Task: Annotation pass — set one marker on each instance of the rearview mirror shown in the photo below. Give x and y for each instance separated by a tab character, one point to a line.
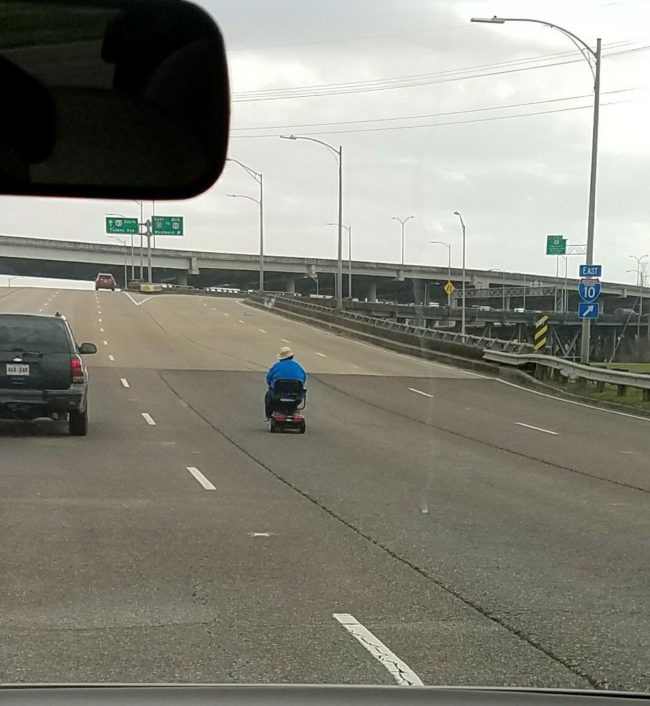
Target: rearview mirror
87	348
111	99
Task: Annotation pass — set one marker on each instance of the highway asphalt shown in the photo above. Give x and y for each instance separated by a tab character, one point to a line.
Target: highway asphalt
482	533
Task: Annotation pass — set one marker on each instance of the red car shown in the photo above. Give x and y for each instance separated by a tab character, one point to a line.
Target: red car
105	281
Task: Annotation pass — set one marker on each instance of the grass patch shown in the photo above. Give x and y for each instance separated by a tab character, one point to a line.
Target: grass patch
633	398
34	25
632	367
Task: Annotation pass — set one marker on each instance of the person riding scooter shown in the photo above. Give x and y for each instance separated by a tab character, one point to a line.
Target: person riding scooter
285	368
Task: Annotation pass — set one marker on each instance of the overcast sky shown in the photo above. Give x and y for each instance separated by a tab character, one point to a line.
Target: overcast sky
514	179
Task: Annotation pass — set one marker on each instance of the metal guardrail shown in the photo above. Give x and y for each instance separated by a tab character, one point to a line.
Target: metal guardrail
574	371
482	342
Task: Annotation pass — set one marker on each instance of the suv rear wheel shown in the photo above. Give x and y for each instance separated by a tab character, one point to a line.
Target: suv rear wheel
78	423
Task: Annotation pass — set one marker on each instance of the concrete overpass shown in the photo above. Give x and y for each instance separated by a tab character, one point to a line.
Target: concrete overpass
370	280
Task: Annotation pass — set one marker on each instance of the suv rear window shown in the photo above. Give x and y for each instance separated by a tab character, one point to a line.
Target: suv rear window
33	334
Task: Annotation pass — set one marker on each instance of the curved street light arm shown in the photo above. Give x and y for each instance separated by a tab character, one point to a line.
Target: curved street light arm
313	139
251	172
243	196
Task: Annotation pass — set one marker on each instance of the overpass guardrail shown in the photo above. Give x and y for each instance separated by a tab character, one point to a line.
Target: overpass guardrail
561	369
450	341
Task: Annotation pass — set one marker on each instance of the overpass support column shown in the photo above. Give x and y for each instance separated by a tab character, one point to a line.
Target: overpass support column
372	292
291	285
181	279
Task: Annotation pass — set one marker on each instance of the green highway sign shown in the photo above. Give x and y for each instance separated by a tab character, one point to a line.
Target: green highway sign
167	225
124	226
555	245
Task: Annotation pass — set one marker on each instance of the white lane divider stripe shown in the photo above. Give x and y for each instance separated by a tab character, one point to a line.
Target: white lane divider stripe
419	392
261	330
322	355
241	321
284	340
530	426
105	343
100	321
101	330
401	672
200	477
111	357
149	419
125	382
226	314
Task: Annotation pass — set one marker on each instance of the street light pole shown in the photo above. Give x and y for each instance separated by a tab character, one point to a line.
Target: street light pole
122	242
121	215
349	230
462	224
402	222
141	239
588	54
339	156
640	276
448	246
257	176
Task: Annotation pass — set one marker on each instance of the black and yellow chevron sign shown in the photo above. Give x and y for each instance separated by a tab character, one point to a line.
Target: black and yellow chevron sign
541	332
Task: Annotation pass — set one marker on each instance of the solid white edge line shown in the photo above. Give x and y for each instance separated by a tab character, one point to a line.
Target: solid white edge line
149	419
561	399
530	426
419	392
401	672
125	382
200	477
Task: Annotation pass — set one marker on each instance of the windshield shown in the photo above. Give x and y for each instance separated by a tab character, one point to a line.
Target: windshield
29	333
375	407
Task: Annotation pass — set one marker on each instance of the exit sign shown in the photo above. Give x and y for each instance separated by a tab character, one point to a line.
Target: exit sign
121	226
167	225
555	245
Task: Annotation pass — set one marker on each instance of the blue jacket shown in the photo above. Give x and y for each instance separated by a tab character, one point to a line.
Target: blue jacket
286	369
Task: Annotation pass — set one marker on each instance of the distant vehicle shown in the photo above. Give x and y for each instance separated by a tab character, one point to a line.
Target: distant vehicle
484	308
41	370
624	312
105	280
519	310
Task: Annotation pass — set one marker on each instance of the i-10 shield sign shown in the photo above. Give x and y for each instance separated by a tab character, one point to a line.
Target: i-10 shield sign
589	289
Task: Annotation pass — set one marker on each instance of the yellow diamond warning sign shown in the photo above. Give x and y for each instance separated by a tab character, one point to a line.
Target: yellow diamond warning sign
449	288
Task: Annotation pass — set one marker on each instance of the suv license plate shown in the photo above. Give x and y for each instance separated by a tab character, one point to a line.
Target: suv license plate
17	369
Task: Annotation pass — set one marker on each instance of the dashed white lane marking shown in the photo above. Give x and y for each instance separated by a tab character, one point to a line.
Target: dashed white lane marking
125	382
111	357
259	534
241	321
40	309
149	419
261	330
100	321
226	314
322	355
530	426
401	672
101	330
419	392
200	477
284	340
105	343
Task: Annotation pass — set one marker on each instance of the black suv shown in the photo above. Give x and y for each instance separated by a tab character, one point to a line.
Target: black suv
41	371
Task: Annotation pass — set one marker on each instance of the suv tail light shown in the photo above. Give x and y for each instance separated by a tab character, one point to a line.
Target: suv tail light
77	369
